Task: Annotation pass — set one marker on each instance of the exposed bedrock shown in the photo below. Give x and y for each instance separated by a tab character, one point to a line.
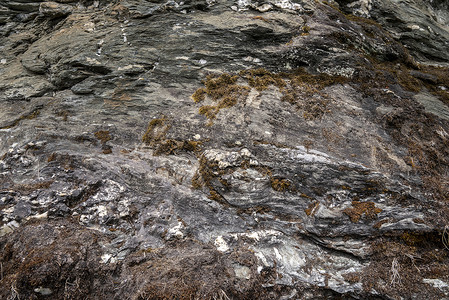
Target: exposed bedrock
224	150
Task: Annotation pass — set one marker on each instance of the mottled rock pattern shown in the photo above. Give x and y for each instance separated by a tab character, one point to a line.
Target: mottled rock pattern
223	150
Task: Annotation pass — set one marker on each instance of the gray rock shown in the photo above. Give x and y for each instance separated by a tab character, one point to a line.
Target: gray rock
54	10
433	105
22	209
420	25
223	150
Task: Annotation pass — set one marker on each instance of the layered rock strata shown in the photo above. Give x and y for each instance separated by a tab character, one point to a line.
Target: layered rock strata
224	150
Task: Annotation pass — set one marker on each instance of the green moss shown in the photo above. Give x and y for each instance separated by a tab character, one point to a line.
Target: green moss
191	145
304	90
209	111
27	188
442	80
206	173
429	157
227	102
412	239
303	78
213	195
167	147
361	20
254	209
261	79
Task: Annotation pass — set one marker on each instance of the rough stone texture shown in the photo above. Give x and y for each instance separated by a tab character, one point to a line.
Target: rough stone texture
422	26
223	150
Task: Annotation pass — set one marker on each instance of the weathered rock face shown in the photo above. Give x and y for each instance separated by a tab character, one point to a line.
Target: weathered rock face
224	150
422	26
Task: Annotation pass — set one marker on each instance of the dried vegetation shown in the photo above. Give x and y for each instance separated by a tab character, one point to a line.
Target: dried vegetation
65	261
401	262
155	136
300	88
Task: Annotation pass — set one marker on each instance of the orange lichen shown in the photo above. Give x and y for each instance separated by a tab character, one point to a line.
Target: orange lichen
280	185
260	18
311	210
380	223
359	209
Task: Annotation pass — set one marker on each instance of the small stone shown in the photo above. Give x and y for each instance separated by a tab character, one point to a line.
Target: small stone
265	7
43	291
245	152
221	244
242	272
22	209
8	228
108	258
54	10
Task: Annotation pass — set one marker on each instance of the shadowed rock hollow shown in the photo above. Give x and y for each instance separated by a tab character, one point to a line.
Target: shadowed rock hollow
224	149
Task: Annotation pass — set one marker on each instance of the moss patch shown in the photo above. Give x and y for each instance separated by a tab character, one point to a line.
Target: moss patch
224	92
31	187
156	130
299	88
155	136
205	175
170	146
103	136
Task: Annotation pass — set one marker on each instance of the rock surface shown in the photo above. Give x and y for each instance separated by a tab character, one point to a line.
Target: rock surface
224	149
